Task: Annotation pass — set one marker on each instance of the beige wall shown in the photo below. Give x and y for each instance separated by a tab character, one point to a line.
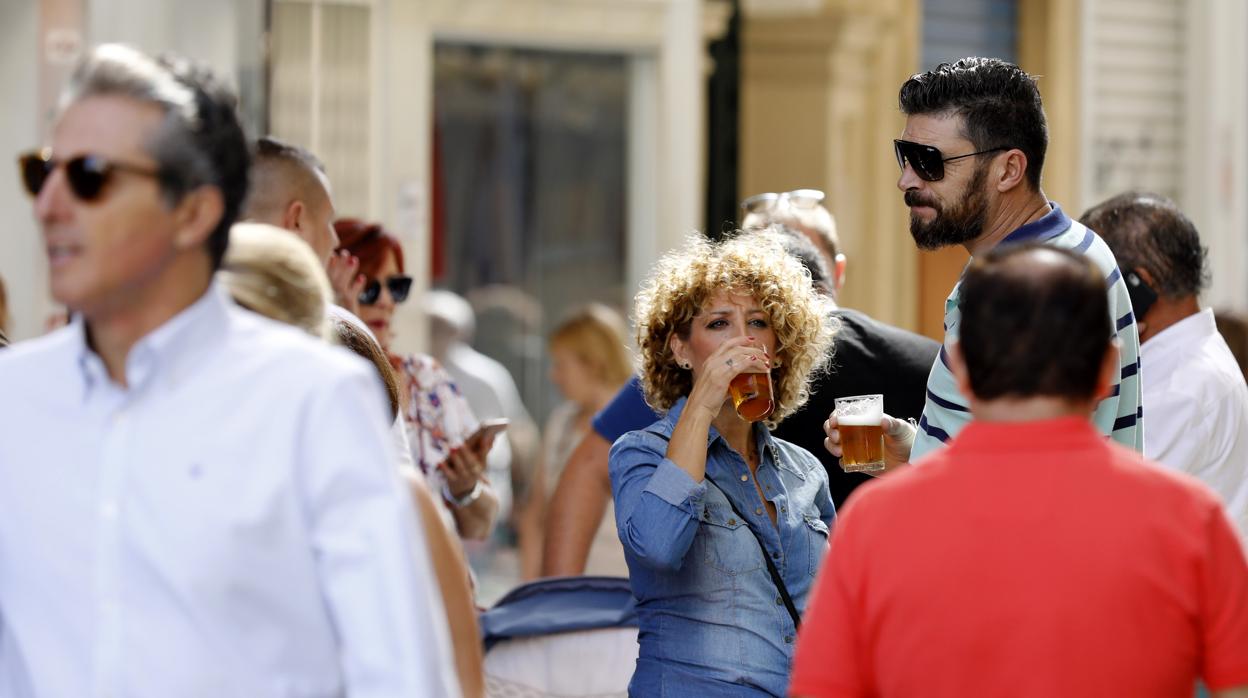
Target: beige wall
819	109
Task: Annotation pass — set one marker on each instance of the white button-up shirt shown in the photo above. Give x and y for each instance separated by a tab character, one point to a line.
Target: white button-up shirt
1196	403
230	524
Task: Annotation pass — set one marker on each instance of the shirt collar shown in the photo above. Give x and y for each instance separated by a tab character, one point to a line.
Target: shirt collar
174	348
1045	435
762	435
1185	333
1049	226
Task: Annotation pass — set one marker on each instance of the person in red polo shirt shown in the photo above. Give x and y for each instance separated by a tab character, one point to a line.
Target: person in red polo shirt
1032	557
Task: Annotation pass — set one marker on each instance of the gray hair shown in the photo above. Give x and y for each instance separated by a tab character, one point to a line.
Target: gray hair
201	140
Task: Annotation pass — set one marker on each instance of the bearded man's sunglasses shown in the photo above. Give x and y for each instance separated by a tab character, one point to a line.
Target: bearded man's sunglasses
398	285
86	174
928	162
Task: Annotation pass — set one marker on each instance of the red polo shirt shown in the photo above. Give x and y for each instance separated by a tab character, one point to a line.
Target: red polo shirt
1028	559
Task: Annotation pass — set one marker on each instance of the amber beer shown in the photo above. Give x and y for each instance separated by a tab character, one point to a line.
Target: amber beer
751	396
862	437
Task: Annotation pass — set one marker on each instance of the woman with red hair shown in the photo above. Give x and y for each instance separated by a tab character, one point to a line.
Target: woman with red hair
438	418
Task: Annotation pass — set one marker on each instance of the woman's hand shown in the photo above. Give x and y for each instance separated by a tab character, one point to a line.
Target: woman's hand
465	465
735	356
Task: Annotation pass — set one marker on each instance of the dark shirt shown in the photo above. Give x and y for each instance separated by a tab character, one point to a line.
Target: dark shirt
868	357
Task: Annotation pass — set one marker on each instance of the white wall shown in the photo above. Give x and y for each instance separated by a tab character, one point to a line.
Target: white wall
21	255
224	34
1217	157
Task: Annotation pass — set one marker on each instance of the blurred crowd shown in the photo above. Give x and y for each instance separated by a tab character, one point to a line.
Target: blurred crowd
221	476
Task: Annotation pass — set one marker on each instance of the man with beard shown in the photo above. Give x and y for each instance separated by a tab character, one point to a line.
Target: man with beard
971	156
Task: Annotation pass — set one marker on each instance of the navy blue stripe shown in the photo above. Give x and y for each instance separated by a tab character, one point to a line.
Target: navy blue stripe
1125	320
944	358
1085	243
945	403
1116	390
1124	422
1130	370
1113	277
932	431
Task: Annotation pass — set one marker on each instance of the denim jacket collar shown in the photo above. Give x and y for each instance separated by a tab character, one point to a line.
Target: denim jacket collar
763	440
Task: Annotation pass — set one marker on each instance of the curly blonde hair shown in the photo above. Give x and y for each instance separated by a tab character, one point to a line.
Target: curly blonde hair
683	281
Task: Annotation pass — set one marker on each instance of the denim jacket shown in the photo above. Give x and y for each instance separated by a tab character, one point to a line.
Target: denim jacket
711	620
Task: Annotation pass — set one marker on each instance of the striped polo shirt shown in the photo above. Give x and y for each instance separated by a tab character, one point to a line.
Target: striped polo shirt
1120	416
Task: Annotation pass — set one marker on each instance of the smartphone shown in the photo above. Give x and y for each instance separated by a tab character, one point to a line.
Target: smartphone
487	429
1142	295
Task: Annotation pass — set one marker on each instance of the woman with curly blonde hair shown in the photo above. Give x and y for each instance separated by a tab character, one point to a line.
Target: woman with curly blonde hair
723	525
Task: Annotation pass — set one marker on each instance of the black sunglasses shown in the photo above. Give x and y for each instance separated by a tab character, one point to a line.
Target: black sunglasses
928	162
86	174
399	286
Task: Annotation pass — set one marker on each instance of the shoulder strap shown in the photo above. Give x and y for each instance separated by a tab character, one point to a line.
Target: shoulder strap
771	566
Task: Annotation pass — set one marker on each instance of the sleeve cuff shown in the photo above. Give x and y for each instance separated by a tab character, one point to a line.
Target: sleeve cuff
674	486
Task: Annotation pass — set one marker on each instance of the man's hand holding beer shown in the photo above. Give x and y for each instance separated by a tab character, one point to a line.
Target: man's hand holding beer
898	438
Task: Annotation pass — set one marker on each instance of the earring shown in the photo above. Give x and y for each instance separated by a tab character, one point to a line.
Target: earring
686	365
775	363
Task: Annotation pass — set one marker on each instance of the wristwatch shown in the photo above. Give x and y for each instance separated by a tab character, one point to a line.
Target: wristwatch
460	502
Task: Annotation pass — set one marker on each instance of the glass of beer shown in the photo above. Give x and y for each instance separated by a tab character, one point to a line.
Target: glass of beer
862	437
751	396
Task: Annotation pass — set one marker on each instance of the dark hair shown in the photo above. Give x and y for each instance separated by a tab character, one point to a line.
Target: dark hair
803	250
271	148
1035	321
1148	231
368	241
201	141
1000	105
357	340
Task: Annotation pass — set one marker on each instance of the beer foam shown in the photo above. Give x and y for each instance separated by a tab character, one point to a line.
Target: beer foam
871	418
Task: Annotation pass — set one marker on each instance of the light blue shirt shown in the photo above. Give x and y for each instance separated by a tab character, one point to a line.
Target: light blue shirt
230	524
1119	416
711	622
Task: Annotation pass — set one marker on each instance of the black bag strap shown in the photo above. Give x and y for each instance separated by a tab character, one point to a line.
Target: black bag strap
771	566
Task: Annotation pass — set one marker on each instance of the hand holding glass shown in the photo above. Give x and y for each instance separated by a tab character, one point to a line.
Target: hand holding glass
862	438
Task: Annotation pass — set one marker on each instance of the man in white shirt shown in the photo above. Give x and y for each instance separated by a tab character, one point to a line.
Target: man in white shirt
194	501
1193	389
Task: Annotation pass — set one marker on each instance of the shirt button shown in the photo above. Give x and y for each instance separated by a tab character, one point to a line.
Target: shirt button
784	509
759	511
788	639
779	601
745	478
775	556
732	522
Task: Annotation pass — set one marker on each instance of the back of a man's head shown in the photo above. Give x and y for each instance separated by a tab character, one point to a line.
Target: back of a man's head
200	143
1148	231
280	172
999	102
1034	323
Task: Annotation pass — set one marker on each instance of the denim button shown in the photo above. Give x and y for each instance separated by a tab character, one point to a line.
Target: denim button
745	478
779	601
775	556
788	639
732	522
759	511
784	509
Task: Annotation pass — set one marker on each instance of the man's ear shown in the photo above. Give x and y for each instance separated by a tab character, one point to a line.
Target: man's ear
838	273
293	215
957	366
197	215
1011	170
